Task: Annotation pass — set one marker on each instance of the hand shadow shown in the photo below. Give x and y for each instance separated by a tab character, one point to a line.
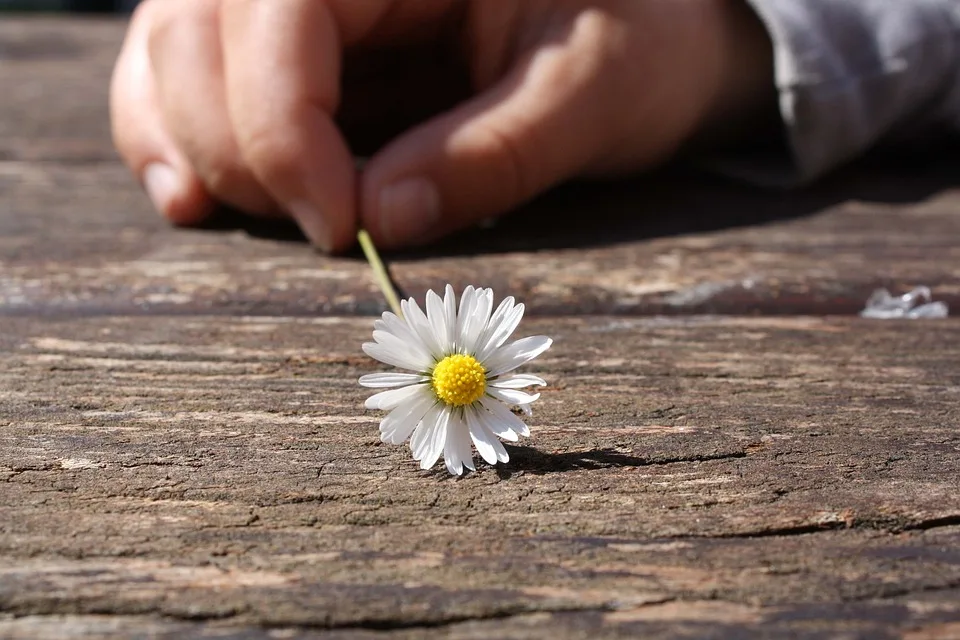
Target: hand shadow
674	201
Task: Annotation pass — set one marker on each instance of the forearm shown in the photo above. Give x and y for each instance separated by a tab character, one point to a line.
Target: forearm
848	75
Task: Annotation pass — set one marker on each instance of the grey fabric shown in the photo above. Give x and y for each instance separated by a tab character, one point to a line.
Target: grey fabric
854	73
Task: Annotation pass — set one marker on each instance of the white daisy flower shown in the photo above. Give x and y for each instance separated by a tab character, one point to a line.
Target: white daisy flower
457	390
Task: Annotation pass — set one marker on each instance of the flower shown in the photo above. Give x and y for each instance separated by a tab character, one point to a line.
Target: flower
456	390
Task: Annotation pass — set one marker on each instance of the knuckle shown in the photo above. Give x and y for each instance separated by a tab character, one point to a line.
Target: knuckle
144	12
218	164
161	26
270	155
122	131
169	23
220	175
125	143
514	166
227	179
233	184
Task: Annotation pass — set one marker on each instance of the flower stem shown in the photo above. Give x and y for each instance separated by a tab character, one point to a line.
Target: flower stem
379	271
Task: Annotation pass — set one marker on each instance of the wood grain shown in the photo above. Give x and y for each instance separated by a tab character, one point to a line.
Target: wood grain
724	449
728	473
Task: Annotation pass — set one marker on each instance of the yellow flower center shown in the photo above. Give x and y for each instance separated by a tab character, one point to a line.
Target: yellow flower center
459	380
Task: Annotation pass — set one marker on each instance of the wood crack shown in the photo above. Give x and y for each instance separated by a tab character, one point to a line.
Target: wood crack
934	523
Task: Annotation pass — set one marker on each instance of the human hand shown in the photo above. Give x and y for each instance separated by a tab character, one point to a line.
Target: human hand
247	102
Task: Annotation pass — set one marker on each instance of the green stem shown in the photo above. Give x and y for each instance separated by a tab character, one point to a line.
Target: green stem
379	271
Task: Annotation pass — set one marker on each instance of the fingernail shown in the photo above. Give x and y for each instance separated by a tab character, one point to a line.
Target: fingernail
162	184
409	209
312	223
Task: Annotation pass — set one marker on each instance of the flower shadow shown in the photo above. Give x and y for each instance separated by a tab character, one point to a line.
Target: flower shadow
532	460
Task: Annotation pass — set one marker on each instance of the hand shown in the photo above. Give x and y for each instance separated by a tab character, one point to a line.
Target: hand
486	102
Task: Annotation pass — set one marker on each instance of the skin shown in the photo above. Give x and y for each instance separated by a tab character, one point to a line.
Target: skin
465	109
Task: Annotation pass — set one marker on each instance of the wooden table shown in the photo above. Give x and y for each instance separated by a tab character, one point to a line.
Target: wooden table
725	449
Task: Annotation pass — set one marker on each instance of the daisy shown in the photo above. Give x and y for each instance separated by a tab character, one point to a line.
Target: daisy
456	390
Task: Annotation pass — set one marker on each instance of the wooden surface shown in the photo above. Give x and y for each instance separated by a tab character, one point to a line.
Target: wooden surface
725	450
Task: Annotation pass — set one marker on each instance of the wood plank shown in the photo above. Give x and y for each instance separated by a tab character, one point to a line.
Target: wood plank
82	240
799	473
55	73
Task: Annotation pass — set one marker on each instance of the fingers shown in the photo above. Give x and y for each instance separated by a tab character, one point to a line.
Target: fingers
537	126
139	131
238	104
186	59
282	73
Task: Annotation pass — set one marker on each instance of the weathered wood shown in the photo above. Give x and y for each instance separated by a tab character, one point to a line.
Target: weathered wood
82	240
682	474
54	76
184	452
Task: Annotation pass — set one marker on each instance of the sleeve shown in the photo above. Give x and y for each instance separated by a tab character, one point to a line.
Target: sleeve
853	74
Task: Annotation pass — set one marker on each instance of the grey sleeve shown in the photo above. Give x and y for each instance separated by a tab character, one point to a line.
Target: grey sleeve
852	74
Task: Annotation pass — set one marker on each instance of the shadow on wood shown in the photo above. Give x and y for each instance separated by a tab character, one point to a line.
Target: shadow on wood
532	460
672	202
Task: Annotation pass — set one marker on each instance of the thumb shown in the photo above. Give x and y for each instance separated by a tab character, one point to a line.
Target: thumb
537	126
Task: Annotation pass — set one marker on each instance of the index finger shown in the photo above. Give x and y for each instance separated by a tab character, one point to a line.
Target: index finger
282	63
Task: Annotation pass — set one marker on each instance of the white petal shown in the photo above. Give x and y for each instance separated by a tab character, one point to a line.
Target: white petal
466	451
513	396
496	319
495	426
379	322
387	320
401	358
405	332
420	440
423	434
498	333
456	451
451	460
517	381
450	313
386	356
515	354
391	399
472	326
502	421
399	424
436	314
466	300
439	439
489	448
387	380
412	351
463	313
418	323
